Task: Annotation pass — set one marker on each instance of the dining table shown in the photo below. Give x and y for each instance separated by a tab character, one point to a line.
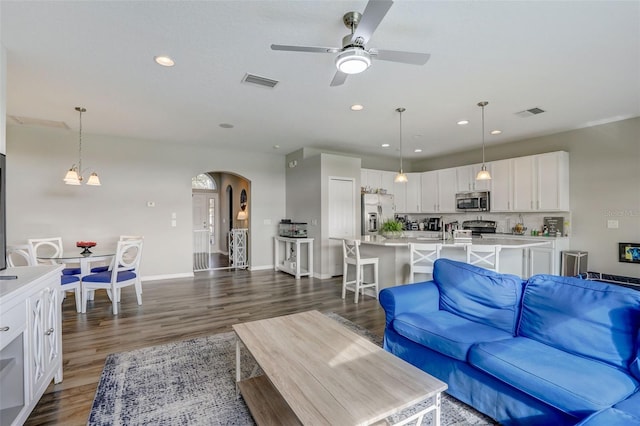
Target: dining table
83	259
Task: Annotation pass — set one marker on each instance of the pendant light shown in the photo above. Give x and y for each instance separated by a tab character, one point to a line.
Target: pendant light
483	174
400	177
74	176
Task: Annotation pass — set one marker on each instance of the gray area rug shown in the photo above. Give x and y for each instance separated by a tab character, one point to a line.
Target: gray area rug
192	382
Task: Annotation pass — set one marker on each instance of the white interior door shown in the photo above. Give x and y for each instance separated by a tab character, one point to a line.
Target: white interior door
342	218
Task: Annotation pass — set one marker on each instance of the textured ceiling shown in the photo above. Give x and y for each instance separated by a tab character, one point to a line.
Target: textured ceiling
579	61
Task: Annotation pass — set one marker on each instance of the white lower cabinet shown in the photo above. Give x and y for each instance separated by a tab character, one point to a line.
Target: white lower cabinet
541	260
30	339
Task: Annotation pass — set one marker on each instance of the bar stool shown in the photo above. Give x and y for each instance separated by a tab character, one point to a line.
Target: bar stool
351	252
485	256
422	258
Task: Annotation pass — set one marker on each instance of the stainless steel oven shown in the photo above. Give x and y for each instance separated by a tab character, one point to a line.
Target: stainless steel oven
472	201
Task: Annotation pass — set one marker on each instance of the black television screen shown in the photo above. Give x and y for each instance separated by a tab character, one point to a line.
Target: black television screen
3	213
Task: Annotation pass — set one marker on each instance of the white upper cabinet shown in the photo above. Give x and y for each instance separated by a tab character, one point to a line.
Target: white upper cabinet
371	179
414	193
439	189
541	182
553	181
447	189
407	196
502	186
387	182
429	199
466	178
532	183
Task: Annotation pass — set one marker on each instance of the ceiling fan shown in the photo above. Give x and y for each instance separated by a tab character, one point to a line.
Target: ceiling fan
354	57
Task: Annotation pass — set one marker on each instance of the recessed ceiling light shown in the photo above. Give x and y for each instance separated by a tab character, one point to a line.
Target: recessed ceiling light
385	145
496	132
226	125
417	150
276	146
163	60
463	122
357	107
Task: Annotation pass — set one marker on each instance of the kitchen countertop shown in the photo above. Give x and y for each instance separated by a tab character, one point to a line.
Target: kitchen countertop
515	243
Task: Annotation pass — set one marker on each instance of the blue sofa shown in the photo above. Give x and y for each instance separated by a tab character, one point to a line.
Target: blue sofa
547	351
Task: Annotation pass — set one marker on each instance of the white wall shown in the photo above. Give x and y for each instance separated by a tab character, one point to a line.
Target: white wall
132	172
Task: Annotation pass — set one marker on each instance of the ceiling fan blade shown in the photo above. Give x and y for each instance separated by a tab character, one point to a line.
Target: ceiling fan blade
373	14
313	49
414	58
338	79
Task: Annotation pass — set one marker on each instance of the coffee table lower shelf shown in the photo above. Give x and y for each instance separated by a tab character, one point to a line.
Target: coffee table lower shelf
265	403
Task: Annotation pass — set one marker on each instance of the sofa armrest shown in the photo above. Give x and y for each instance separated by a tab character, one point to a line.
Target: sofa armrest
419	297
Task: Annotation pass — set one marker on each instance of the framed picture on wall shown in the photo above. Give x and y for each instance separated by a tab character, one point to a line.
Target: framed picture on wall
629	252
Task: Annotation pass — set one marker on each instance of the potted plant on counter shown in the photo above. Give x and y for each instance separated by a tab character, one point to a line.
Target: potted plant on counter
391	228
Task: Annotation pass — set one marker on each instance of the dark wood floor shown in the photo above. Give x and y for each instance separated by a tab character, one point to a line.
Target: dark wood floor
176	310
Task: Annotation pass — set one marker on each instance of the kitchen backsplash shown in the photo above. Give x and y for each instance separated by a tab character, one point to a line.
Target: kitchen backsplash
504	221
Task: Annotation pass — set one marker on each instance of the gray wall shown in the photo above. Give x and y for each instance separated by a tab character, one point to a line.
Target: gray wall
132	171
307	198
604	169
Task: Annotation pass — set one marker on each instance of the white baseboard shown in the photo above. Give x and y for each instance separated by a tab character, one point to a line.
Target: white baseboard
166	277
260	268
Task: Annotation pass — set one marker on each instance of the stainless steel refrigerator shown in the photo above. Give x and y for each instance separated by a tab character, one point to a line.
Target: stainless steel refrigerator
376	208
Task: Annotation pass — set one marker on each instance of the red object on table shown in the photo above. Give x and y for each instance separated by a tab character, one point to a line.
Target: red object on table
86	244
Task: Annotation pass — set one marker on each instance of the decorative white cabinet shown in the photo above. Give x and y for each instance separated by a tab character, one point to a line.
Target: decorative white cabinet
291	259
30	339
238	248
541	182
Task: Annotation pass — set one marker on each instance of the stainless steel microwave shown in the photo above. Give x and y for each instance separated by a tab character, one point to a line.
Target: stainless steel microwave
472	201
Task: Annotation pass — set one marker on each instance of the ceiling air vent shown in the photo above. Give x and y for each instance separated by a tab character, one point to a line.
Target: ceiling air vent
529	112
260	81
28	121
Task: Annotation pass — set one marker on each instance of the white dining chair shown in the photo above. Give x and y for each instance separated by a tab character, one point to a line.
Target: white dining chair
103	268
123	273
422	258
485	256
22	255
351	254
50	247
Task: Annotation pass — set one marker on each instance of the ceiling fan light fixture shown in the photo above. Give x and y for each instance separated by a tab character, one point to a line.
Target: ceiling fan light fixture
353	61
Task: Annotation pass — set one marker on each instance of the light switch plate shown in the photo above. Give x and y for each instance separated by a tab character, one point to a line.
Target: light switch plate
612	224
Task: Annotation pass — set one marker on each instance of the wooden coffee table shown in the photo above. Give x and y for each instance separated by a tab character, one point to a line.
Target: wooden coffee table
318	372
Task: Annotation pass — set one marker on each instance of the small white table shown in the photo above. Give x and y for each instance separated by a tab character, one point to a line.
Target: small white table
291	259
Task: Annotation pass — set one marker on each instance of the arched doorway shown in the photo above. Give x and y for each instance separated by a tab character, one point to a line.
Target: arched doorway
216	207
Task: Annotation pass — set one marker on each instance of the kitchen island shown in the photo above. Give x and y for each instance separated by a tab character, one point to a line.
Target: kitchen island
394	257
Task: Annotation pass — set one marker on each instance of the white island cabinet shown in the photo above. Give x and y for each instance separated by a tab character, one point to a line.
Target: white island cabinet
30	339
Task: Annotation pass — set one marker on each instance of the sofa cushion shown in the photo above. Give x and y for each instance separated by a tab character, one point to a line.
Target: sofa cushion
477	294
631	405
571	383
445	332
610	417
587	318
